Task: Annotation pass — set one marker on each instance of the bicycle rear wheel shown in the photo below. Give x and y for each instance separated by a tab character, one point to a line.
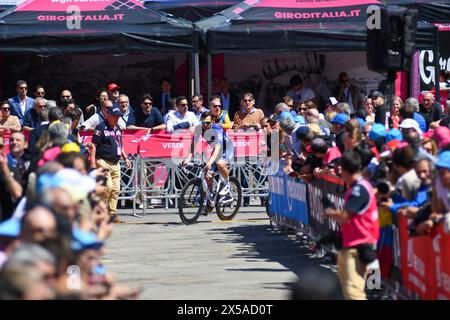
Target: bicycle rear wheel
227	208
191	201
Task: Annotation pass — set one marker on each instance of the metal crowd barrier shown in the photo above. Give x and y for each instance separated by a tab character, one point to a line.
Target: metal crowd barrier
162	179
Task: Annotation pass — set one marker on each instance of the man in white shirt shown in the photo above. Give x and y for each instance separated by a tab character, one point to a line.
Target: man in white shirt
100	117
299	92
182	118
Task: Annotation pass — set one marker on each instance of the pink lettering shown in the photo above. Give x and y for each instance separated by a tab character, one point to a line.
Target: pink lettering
289	15
51	18
343	14
88	18
120	15
61	18
105	17
325	15
278	15
298	15
41	18
307	15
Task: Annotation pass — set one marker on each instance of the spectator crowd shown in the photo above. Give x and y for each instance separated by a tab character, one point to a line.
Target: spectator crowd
58	197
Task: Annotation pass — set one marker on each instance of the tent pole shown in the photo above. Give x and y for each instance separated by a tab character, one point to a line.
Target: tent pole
196	74
190	59
209	67
437	68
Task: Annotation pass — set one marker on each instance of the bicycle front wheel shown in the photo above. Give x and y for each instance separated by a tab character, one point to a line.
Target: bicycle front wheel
227	206
191	201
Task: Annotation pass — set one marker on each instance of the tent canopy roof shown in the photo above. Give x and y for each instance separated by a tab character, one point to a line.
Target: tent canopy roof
256	25
192	10
106	26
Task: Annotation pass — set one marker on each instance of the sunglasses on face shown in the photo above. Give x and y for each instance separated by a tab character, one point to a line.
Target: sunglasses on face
183	104
23	88
65	97
217	106
302	109
147	103
206	123
42	107
6	109
40	93
247	100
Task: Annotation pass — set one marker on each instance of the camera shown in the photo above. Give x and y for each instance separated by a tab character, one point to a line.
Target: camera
326	203
380	179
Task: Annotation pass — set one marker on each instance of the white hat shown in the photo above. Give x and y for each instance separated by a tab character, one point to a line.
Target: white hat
77	184
411	124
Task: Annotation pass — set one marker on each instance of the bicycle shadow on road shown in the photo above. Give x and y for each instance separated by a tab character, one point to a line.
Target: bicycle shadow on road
260	243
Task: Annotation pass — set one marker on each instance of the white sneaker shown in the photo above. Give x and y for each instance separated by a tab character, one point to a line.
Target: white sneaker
225	190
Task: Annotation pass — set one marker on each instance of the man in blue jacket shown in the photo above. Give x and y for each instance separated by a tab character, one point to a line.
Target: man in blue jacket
21	103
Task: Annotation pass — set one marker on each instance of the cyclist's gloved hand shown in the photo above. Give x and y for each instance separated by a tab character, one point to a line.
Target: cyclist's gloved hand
182	125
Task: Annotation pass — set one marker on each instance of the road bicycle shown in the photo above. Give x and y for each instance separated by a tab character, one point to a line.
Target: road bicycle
197	199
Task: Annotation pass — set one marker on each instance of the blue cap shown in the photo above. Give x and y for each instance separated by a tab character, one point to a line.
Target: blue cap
378	131
443	160
284	115
361	121
340	118
394	134
114	111
83	240
10	228
300	120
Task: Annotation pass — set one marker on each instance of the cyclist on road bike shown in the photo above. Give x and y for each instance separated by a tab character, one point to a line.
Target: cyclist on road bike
223	150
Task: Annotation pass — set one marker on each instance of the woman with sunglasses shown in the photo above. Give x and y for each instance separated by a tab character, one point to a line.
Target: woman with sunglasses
8	122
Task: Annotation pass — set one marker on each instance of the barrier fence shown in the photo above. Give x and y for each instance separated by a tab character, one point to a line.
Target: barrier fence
423	261
155	172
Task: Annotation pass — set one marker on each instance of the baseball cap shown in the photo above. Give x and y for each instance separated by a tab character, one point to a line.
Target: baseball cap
376	94
333	101
440	133
378	131
285	115
340	118
361	121
113	87
71	147
83	240
114	111
443	160
273	117
10	228
299	119
394	134
411	124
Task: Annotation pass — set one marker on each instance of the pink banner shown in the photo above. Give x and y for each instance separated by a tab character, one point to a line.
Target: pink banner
63	5
314	3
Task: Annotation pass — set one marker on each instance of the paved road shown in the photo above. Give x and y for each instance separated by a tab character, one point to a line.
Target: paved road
241	259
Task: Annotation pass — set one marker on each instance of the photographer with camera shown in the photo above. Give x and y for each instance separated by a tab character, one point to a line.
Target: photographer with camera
360	228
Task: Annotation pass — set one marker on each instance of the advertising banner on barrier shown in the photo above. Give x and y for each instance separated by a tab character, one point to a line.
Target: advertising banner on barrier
331	187
441	246
288	197
178	144
418	264
130	139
